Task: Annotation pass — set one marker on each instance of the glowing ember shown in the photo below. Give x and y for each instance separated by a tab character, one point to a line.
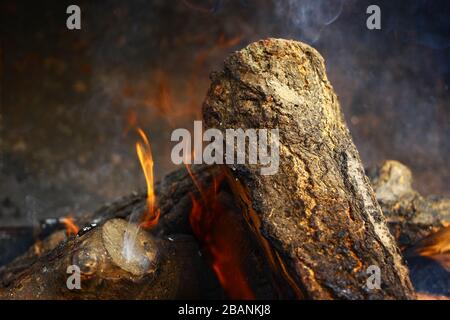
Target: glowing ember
151	215
216	228
71	227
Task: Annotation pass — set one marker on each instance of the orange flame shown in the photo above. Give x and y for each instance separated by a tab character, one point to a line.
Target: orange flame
215	227
144	152
71	227
436	246
436	243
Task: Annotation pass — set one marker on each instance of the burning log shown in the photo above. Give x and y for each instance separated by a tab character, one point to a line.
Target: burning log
174	203
317	218
181	273
112	268
175	194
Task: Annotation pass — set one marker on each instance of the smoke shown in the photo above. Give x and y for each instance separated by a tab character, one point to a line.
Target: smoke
309	17
129	250
392	83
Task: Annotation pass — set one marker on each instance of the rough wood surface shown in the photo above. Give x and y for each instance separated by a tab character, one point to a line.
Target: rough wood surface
182	273
157	269
173	194
317	217
174	198
410	216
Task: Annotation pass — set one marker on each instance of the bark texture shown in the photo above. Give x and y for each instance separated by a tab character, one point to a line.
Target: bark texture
317	218
173	195
25	276
155	268
40	273
410	216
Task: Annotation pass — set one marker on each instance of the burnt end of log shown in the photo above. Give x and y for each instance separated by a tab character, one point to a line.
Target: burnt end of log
317	217
153	269
40	273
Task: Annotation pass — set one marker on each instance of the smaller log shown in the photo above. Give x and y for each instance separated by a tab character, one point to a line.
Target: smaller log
173	196
418	224
410	216
151	268
174	200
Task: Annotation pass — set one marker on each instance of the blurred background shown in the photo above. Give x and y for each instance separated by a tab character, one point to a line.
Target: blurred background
70	100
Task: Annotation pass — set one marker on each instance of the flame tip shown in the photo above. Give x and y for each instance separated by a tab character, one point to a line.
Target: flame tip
143	150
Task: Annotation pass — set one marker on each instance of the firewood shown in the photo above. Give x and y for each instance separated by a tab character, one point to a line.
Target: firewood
410	216
173	194
174	197
154	269
418	224
317	218
41	274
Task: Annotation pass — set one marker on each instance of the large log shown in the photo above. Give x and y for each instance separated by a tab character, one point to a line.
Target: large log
317	218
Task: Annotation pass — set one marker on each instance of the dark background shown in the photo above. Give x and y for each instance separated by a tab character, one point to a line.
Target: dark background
70	99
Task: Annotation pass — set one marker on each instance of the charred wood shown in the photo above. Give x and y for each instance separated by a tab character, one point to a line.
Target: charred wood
153	269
